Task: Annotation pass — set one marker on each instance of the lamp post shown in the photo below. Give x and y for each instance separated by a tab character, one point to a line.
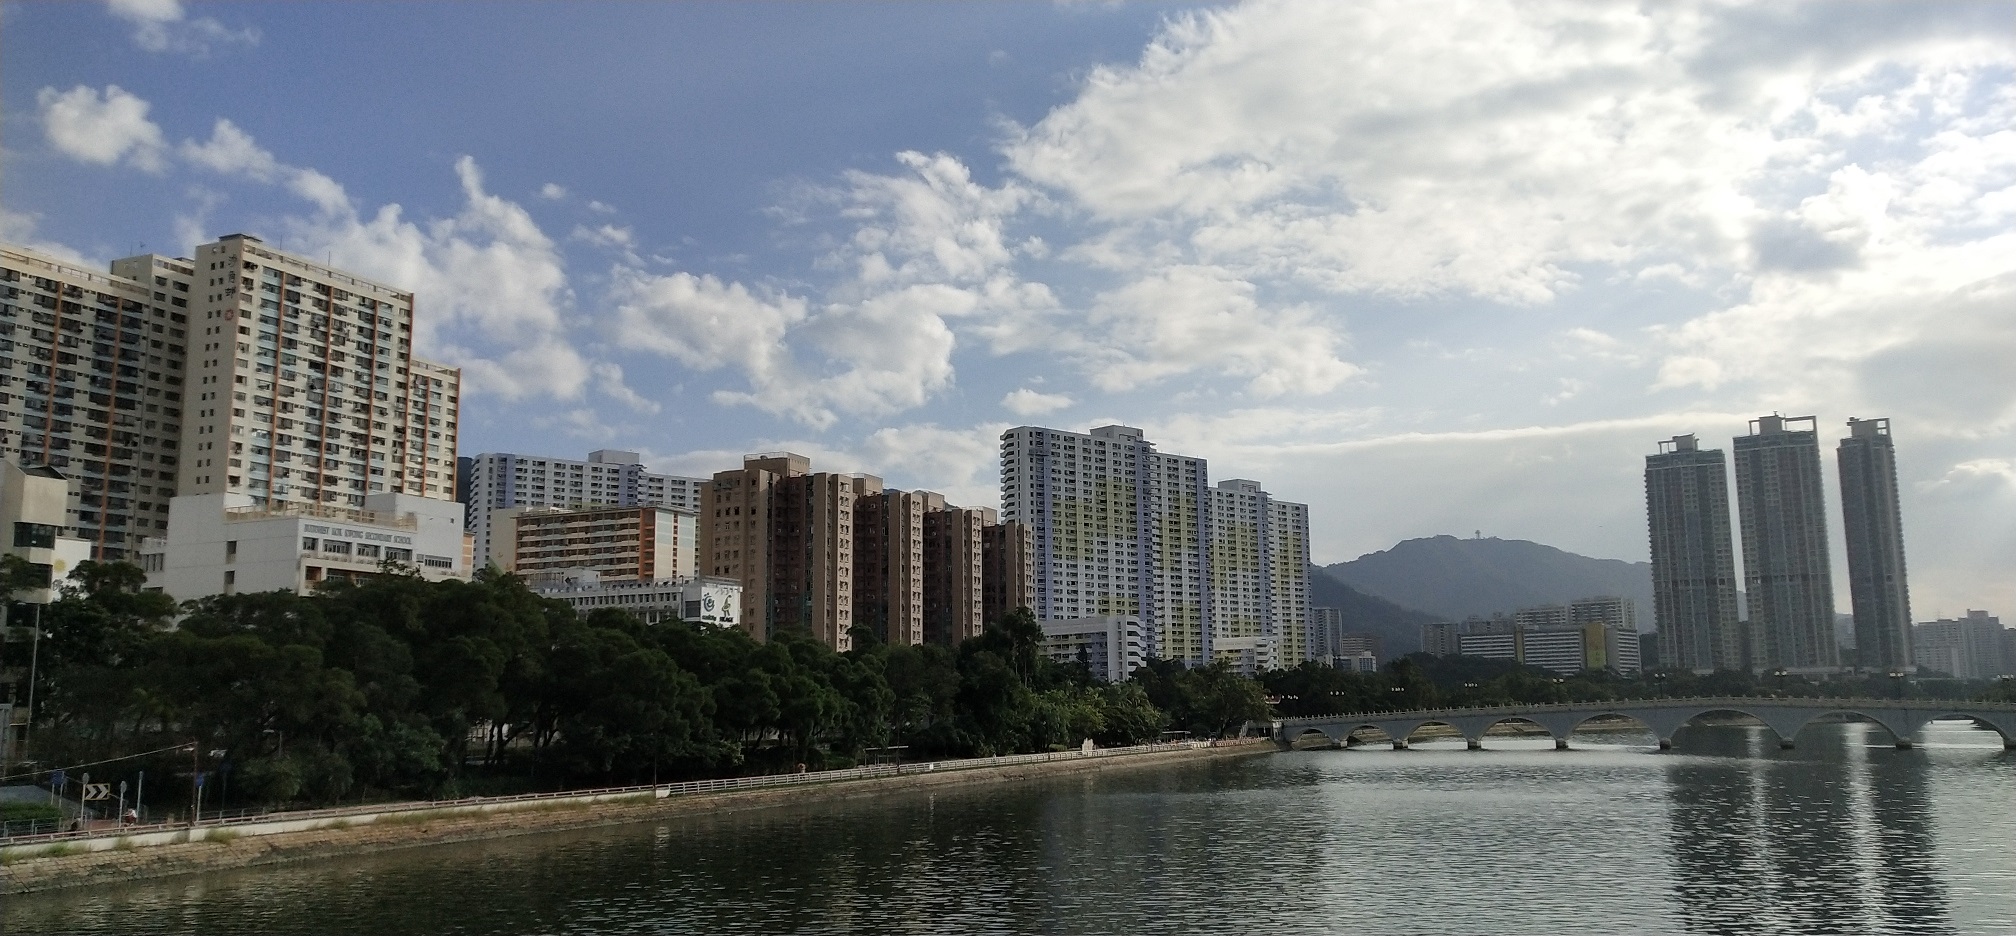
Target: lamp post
1780	673
1897	681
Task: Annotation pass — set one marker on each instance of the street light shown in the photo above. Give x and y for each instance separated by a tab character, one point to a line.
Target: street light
1897	680
1780	673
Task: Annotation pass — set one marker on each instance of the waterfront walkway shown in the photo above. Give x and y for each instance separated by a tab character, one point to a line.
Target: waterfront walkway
1663	717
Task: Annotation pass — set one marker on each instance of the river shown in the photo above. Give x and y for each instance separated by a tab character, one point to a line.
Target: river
1726	834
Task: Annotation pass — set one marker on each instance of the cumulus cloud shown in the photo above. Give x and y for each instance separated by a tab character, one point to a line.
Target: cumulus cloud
164	26
1027	402
1186	319
103	128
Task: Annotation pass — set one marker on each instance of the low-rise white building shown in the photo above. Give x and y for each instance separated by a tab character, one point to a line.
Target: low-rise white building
706	600
1112	646
35	515
223	543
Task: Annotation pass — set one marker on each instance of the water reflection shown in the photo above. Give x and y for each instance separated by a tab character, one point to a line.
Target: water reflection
1728	834
1834	836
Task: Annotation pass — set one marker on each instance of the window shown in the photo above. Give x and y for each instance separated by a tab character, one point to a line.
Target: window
336	547
395	554
34	535
307	544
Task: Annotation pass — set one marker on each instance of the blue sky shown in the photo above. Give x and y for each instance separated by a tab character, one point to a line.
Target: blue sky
1428	270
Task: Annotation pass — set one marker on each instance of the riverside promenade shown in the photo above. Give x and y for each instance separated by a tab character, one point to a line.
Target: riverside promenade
75	859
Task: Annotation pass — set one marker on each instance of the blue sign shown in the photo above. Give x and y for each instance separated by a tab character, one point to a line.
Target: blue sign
199	780
56	780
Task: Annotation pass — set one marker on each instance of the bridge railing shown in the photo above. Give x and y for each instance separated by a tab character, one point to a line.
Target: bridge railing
1734	702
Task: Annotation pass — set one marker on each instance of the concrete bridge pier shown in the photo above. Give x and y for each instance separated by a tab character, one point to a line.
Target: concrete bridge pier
1474	744
1665	744
1785	744
1399	744
1903	744
1560	744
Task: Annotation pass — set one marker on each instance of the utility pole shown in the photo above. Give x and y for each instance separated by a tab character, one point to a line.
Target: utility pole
195	785
34	662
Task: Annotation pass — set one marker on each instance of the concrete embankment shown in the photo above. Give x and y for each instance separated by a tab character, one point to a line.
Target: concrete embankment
182	851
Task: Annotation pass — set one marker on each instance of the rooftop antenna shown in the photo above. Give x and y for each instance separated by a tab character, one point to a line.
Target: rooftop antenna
1476	534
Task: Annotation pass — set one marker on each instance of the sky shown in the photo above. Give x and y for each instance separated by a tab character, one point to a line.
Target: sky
1428	267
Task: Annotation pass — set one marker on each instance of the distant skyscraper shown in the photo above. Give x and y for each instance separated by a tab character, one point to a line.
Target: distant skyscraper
1875	530
1783	516
1693	559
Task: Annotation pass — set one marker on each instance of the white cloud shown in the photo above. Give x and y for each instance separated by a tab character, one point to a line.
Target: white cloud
164	26
552	192
1186	319
607	235
102	128
20	228
609	380
231	151
495	285
1027	402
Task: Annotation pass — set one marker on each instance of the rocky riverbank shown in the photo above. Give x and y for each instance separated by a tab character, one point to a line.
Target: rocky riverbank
63	866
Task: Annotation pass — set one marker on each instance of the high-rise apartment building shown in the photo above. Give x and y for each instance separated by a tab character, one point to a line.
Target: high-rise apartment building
787	534
303	385
1007	570
92	371
1783	516
889	560
1878	591
495	481
1259	580
1972	647
1693	561
955	572
1119	530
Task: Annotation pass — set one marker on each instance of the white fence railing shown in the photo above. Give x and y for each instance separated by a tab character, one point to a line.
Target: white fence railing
308	818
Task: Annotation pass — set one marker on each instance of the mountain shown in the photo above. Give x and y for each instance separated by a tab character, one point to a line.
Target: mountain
1399	628
1454	578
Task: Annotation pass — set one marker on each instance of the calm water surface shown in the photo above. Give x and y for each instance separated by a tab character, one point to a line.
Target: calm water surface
1728	834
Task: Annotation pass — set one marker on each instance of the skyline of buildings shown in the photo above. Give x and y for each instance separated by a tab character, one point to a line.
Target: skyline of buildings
278	389
1786	621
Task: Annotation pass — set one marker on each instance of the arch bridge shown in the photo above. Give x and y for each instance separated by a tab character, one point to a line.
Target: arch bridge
1902	718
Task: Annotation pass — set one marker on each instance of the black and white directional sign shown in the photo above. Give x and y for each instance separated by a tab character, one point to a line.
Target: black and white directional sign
97	791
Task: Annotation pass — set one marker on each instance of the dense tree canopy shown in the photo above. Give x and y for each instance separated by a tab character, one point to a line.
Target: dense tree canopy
400	687
403	687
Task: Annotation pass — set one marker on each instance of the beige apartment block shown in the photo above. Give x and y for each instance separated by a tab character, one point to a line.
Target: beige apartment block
889	559
303	385
787	534
955	563
640	544
91	383
1008	570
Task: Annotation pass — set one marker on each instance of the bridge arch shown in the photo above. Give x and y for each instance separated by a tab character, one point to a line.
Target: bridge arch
1490	723
2005	726
1297	736
1358	731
